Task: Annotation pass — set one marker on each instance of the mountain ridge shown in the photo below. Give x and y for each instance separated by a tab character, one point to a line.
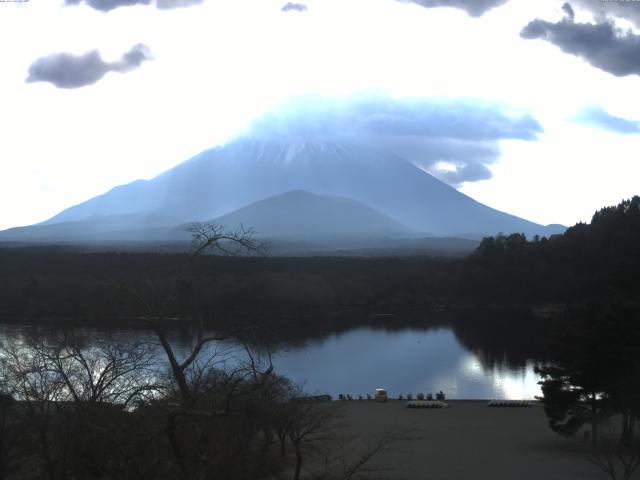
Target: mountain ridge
221	180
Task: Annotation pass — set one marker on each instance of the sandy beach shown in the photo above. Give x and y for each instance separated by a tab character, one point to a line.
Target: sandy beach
469	440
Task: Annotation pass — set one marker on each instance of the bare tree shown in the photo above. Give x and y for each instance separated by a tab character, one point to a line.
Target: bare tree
29	378
213	237
197	376
348	457
72	397
619	459
319	441
309	424
207	236
102	372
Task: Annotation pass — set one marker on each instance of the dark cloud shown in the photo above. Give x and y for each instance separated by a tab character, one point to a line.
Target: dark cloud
65	70
468	172
453	139
466	121
297	7
598	117
452	160
474	8
600	44
568	10
604	10
107	5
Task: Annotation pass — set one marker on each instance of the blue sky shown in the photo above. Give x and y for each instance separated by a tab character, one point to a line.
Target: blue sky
535	102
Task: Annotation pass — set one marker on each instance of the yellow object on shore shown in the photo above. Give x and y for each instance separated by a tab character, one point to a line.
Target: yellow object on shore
381	395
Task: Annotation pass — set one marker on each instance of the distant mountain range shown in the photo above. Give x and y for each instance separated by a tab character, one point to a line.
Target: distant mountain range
293	191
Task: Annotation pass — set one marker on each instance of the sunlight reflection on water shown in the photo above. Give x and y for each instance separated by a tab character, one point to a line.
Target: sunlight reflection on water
404	361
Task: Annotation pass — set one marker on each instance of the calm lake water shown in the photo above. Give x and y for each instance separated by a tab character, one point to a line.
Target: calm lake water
359	360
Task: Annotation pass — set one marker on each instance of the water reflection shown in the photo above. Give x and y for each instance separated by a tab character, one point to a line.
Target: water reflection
403	361
357	361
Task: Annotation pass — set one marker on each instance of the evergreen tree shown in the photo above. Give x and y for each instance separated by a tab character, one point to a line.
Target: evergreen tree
596	371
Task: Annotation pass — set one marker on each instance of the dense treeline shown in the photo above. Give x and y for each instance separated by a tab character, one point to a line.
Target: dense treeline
592	373
598	260
39	284
589	261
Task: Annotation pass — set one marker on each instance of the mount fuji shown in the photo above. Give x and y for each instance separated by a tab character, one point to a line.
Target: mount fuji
358	190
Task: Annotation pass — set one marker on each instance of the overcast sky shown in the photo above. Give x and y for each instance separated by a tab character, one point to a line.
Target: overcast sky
97	93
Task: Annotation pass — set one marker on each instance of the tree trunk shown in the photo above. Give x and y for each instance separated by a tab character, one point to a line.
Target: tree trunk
3	454
283	446
296	476
178	373
594	427
625	428
47	454
2	459
268	440
170	430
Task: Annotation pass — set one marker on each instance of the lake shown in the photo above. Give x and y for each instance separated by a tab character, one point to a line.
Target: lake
357	361
404	361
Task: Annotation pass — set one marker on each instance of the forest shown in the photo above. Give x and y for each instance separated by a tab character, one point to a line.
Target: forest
599	261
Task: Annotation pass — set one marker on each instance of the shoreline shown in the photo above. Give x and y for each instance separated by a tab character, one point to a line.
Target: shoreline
451	402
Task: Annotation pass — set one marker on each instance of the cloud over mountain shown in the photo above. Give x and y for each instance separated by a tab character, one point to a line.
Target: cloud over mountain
66	70
601	44
455	140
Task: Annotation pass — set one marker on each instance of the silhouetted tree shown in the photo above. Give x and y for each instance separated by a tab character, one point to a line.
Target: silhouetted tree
596	372
210	236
